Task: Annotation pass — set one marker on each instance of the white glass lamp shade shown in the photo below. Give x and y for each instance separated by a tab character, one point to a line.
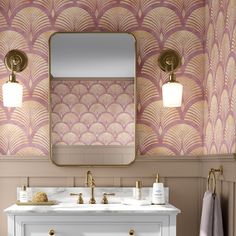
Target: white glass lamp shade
12	93
172	94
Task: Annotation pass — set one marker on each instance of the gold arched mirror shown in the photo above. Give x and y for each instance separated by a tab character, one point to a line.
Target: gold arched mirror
92	91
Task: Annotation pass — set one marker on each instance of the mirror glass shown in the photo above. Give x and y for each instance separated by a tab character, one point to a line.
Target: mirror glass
92	91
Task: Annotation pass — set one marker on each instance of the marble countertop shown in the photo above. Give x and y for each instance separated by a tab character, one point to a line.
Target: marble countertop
60	194
88	209
66	204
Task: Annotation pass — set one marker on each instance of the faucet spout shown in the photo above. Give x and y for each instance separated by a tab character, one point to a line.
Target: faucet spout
90	182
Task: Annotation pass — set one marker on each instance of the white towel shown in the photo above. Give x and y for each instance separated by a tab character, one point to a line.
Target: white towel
211	220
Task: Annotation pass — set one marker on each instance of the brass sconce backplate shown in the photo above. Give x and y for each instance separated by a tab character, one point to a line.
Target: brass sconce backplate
169	60
16	60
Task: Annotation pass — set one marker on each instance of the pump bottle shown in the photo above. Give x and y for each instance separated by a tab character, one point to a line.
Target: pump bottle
23	194
158	194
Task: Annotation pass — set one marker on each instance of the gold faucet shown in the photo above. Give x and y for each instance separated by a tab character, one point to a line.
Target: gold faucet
90	182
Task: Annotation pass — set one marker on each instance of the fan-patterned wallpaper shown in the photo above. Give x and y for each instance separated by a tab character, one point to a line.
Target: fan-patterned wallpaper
93	112
157	24
220	83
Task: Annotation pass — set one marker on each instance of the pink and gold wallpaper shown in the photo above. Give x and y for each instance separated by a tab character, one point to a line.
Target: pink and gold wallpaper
93	112
220	82
156	24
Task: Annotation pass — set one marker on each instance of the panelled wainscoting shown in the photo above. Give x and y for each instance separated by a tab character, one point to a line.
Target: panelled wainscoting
185	176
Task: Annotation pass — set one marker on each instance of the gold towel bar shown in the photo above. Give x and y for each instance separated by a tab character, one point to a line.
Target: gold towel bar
212	173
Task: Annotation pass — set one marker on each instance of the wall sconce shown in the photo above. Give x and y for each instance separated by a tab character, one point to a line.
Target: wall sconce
172	90
12	91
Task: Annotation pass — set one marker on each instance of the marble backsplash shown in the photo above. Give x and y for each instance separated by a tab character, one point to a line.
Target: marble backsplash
62	195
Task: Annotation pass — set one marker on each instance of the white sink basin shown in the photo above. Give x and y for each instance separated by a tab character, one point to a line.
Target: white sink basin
96	207
73	207
78	205
86	206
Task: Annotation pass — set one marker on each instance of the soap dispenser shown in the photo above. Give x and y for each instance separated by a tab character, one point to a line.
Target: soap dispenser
23	194
158	194
138	190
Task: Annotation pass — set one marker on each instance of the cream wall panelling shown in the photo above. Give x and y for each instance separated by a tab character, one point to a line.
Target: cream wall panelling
176	172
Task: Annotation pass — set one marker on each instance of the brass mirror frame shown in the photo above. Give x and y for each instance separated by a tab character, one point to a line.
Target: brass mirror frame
135	104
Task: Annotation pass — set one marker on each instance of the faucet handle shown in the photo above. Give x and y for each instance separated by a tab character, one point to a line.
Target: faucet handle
104	199
80	198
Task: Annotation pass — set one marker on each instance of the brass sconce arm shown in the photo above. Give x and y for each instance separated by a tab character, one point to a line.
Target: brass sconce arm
15	61
172	90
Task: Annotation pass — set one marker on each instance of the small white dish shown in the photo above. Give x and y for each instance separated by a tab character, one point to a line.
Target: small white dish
135	202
